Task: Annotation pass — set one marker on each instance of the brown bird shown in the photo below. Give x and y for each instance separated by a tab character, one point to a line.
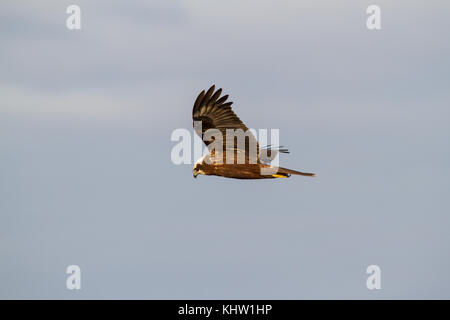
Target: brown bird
233	149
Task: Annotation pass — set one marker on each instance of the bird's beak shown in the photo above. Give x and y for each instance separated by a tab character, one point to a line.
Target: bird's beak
195	174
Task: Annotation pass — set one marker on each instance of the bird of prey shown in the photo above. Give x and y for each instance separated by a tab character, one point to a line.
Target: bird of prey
211	112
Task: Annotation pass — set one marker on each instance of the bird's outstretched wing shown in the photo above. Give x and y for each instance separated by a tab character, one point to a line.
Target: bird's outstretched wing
215	113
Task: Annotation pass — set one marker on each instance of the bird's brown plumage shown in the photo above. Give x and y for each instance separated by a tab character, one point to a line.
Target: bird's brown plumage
212	112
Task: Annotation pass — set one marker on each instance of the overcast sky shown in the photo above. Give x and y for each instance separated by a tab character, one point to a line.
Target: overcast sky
86	176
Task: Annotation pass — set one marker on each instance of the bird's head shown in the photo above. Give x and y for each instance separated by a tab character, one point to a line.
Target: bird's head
197	169
195	172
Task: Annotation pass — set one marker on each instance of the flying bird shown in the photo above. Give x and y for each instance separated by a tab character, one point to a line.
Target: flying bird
212	113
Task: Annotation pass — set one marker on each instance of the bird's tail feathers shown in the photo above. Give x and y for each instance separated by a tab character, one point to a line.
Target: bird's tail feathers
287	172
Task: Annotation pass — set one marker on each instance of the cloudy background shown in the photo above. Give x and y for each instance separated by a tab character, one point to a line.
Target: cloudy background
86	176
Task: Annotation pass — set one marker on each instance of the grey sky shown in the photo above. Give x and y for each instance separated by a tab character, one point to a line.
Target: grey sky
86	176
